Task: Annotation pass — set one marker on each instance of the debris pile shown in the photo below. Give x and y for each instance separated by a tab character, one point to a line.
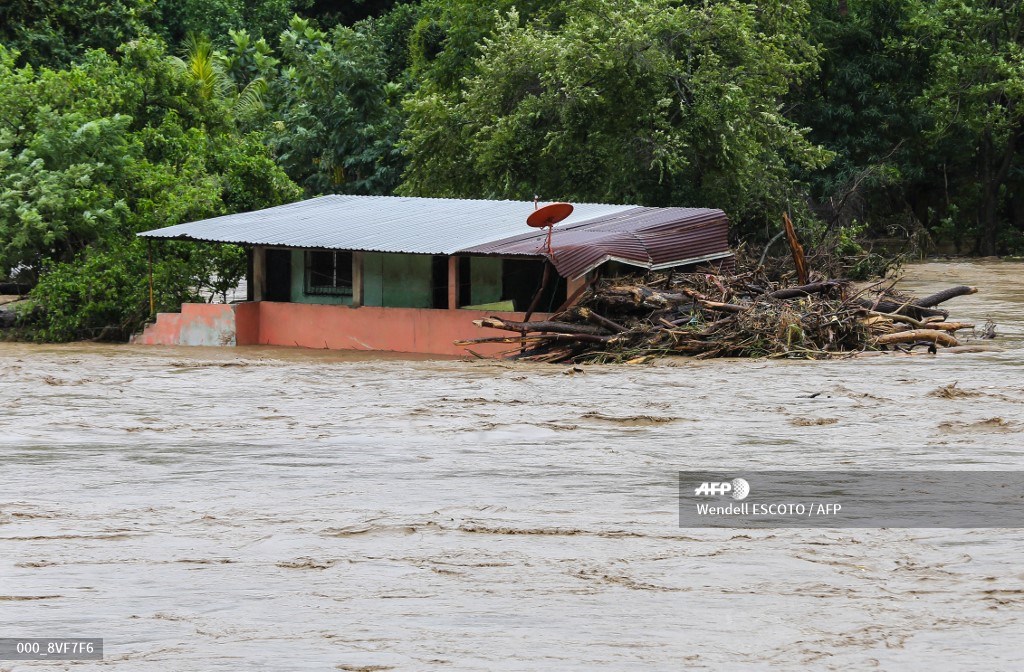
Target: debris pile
632	319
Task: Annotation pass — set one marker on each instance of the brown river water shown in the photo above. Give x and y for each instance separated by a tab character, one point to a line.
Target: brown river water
276	509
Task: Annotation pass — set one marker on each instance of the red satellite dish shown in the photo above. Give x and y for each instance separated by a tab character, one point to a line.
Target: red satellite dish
549	215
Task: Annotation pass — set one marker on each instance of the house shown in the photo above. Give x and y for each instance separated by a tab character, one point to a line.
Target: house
411	274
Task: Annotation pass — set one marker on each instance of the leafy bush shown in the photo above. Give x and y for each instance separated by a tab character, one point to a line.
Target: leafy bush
101	151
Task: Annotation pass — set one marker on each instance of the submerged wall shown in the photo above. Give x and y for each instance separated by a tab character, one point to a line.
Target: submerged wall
196	324
415	330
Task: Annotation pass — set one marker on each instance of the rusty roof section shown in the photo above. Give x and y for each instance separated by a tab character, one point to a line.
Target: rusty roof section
650	238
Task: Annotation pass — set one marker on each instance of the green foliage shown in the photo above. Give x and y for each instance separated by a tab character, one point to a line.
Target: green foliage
337	115
214	19
858	105
654	103
208	71
922	104
975	94
329	12
95	153
104	292
60	160
57	32
246	59
446	40
392	32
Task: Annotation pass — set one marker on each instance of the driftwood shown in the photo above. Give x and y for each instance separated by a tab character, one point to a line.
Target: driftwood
895	317
883	305
799	258
640	296
944	326
722	307
917	335
601	321
548	338
945	295
631	319
541	326
806	290
545	279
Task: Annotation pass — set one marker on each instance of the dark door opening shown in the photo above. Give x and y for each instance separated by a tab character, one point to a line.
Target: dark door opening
521	280
279	276
439	282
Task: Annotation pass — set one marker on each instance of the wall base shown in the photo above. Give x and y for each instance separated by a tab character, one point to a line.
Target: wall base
413	330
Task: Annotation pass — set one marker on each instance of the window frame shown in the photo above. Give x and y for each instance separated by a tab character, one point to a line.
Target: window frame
339	280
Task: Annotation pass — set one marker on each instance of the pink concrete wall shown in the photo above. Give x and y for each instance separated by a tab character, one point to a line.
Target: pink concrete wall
305	325
196	324
247	323
207	324
370	328
164	331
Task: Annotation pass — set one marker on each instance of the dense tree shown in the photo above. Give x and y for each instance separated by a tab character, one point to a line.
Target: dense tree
861	107
656	103
975	94
337	114
919	101
331	13
93	154
209	73
213	19
56	32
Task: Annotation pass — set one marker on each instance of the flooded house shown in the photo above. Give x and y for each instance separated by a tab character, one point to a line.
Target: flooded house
410	274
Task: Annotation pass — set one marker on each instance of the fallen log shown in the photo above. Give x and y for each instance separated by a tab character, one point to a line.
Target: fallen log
601	321
545	279
947	326
905	319
806	290
903	308
640	296
539	325
545	357
917	335
721	307
964	349
945	295
535	338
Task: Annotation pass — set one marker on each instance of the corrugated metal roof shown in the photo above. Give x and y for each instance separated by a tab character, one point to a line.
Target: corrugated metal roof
647	237
376	224
593	234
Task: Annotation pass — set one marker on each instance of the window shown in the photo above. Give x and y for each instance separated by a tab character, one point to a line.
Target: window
329	272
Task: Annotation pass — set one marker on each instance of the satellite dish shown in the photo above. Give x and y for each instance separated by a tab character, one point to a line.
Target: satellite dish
548	216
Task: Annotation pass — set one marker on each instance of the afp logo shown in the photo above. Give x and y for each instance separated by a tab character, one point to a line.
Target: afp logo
737	486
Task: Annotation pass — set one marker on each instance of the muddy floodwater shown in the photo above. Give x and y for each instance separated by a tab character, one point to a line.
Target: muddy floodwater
276	509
